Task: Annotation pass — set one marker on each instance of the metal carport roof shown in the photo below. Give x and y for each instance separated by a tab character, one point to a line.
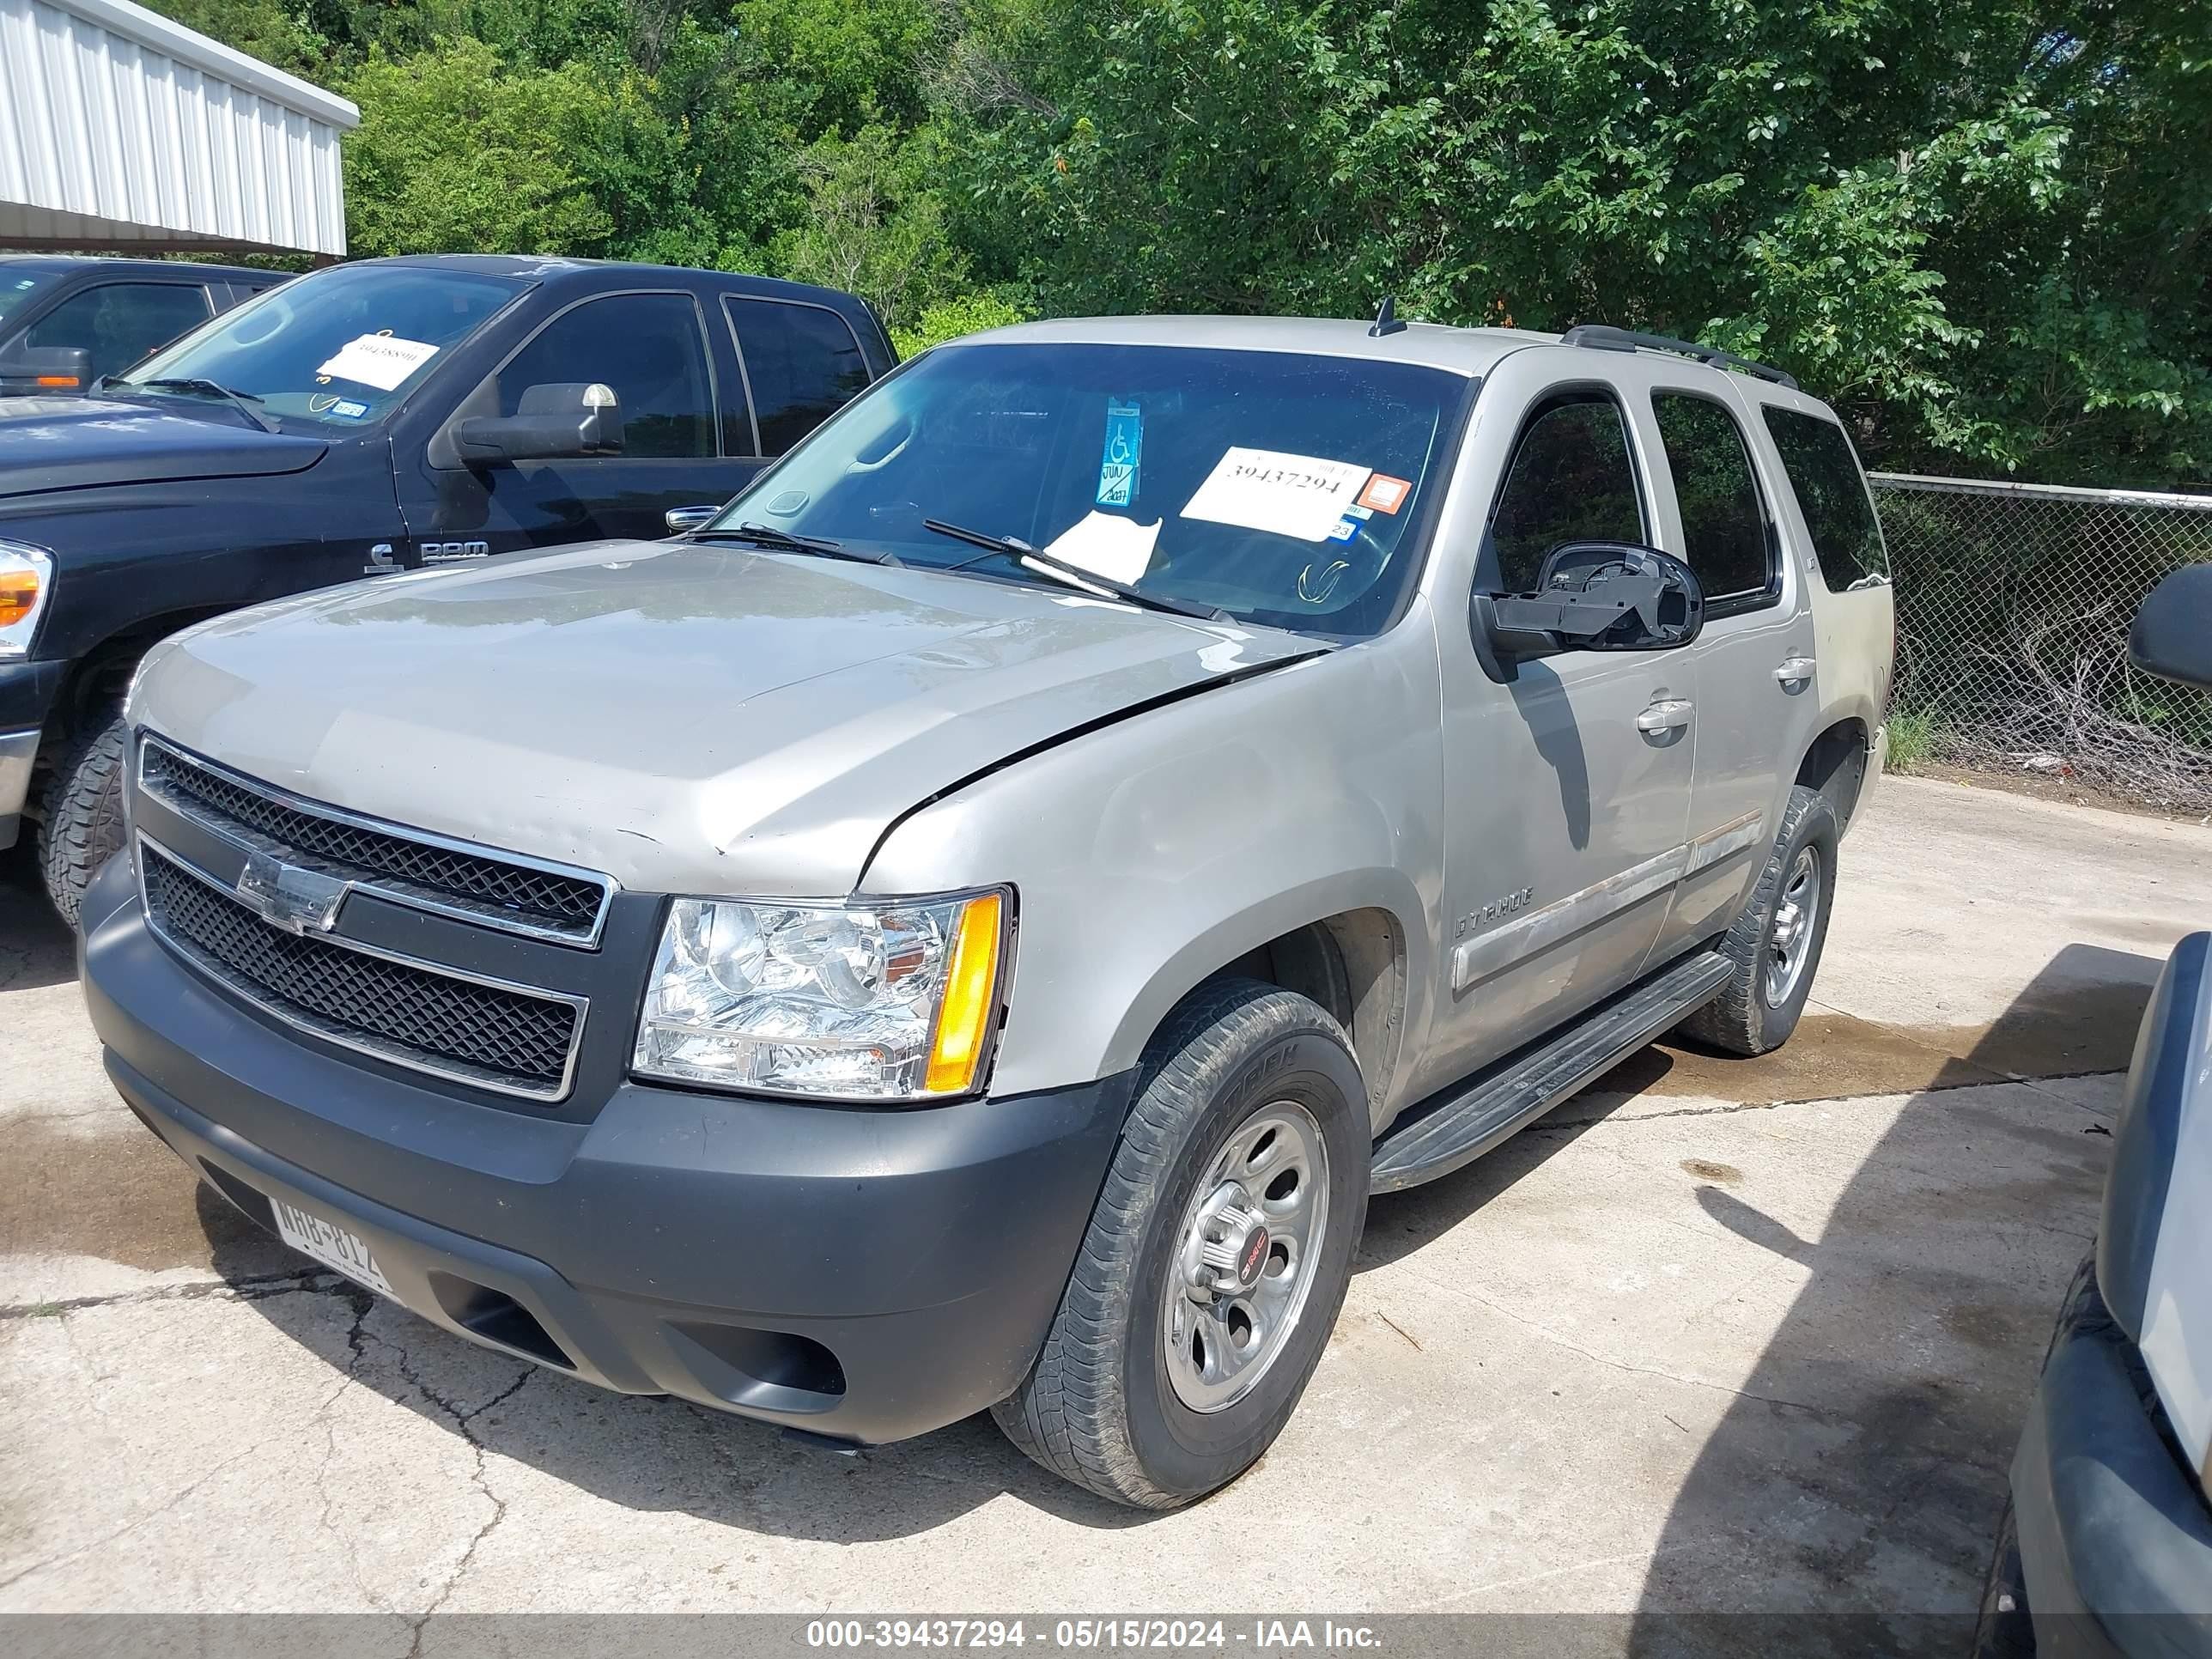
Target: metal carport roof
125	132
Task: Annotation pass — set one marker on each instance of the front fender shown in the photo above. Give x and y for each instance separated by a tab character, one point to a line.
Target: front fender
1151	854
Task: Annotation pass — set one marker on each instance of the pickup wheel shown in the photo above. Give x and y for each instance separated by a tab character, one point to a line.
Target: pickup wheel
84	826
1776	943
1217	1257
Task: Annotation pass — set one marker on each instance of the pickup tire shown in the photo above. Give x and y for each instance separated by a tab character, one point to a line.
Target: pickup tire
84	826
1776	943
1247	1092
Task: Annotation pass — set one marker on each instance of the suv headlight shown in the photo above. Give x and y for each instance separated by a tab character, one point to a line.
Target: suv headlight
27	577
862	1001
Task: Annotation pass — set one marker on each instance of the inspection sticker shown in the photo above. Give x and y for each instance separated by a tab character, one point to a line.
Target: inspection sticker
1300	496
382	361
1384	493
1118	460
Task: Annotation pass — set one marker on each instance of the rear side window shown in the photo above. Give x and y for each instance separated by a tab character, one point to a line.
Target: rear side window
1833	494
649	348
1724	526
121	322
1570	480
802	363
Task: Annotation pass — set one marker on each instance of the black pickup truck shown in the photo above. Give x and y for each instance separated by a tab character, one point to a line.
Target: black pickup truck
365	419
64	321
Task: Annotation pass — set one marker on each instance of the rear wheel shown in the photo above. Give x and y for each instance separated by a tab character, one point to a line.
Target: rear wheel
1776	943
83	827
1217	1257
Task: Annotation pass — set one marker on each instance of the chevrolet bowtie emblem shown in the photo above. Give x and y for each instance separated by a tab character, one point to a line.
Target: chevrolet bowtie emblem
288	897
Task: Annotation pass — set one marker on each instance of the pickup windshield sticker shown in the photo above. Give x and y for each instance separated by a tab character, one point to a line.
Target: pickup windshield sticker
382	361
1300	496
1116	548
1117	463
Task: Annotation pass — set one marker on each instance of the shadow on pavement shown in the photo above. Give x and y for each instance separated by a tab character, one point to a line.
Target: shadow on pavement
1853	1488
36	946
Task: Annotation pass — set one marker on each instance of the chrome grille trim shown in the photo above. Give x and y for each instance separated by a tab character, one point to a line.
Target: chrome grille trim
383	884
144	846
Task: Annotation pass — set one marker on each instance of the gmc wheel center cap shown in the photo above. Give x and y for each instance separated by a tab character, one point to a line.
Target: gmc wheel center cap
1252	1255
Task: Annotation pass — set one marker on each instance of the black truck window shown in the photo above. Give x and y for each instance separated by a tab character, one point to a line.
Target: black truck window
649	348
802	363
120	322
1570	480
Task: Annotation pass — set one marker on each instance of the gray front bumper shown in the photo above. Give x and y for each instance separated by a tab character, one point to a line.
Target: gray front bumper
2115	1534
17	750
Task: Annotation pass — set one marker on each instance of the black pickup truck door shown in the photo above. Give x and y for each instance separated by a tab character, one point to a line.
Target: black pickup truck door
675	378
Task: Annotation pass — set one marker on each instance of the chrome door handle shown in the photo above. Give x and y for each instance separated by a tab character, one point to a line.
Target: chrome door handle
1792	670
1665	716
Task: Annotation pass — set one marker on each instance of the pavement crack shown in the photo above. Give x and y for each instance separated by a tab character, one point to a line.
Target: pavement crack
258	1287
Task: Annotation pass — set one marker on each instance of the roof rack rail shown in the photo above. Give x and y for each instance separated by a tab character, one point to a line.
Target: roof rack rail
1600	338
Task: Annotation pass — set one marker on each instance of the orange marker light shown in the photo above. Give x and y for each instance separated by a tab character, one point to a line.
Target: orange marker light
64	381
971	984
19	595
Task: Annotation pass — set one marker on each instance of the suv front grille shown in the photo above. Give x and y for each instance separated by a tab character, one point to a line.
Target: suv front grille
478	885
498	1036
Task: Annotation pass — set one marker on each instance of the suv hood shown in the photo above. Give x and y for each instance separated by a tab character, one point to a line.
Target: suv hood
70	443
685	718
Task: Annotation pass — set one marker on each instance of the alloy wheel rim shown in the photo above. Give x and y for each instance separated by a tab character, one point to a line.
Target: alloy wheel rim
1245	1257
1789	941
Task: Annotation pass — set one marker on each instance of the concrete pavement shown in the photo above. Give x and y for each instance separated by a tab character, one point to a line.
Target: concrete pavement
1715	1335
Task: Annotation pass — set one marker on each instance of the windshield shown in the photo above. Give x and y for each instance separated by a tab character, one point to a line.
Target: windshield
339	346
1282	488
21	285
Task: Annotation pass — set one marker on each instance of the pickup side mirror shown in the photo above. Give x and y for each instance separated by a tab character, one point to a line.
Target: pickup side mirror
683	521
1599	596
565	422
2173	633
46	371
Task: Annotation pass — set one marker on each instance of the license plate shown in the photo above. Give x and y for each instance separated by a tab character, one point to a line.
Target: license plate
330	1244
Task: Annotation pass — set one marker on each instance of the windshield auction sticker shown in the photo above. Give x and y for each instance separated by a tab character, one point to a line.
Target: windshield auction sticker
382	361
1299	496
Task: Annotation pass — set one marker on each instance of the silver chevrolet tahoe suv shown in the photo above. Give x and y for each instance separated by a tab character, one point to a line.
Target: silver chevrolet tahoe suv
970	926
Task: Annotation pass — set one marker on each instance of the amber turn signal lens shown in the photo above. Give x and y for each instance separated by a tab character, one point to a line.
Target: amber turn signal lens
19	595
61	381
971	999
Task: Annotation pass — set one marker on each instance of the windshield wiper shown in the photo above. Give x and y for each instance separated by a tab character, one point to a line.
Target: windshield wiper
769	535
244	400
1074	575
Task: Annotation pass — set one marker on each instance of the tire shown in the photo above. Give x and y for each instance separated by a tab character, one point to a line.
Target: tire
1748	1017
1247	1078
84	826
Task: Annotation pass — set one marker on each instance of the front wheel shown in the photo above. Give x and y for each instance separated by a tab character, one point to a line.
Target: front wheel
83	827
1217	1257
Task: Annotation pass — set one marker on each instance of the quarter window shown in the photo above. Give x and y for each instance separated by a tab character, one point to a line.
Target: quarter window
649	348
1831	494
1570	480
1724	527
802	363
121	322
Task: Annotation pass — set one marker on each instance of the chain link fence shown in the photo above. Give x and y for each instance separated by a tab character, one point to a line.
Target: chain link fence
2013	607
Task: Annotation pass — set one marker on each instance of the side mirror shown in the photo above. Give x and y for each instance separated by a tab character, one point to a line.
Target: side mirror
566	422
683	521
46	371
1600	596
2173	633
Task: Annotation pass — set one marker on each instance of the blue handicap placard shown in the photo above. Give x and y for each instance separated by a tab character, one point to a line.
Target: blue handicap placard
1117	462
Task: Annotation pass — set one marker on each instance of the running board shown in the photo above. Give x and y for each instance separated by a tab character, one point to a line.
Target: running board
1434	1140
